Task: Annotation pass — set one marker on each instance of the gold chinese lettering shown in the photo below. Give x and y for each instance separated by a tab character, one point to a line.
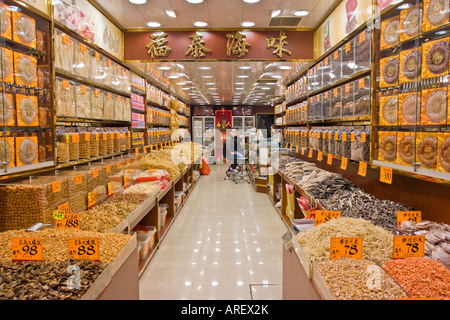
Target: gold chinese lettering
237	45
157	46
279	50
197	47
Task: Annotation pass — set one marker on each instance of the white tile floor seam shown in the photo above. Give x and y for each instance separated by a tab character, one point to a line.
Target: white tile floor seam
225	244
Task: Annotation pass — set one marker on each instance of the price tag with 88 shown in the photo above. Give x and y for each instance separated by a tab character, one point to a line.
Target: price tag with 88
347	247
84	249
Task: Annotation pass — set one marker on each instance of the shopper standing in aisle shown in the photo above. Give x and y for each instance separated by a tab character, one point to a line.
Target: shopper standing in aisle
233	149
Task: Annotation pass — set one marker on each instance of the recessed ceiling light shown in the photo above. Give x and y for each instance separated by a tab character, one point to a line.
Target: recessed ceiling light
171	13
239	83
194	1
181	83
200	24
251	1
276	77
153	24
275	13
285	67
138	1
247	24
245	67
204	68
242	77
174	76
164	68
207	76
300	13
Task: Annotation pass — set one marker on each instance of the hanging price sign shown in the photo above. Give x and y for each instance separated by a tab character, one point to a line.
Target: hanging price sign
319	156
322	216
27	249
344	162
310	154
362	171
91	199
70	221
386	175
346	247
110	189
84	249
415	216
408	246
330	159
303	151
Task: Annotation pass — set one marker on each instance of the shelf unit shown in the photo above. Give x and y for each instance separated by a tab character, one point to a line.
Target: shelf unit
411	90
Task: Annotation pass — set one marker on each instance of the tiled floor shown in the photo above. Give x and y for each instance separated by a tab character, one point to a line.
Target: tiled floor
225	244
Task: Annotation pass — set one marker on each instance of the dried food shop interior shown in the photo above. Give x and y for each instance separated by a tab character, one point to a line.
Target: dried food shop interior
238	150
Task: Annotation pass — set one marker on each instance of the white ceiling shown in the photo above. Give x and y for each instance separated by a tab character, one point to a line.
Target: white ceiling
219	14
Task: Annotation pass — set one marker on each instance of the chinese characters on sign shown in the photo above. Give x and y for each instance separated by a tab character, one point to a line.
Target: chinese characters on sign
197	47
279	50
237	45
157	47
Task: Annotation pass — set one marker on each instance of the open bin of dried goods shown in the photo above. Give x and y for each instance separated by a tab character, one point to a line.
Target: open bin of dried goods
350	279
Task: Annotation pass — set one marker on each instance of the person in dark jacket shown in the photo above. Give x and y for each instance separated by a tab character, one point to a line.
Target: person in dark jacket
233	149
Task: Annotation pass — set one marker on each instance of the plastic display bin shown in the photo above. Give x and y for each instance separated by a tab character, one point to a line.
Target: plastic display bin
144	241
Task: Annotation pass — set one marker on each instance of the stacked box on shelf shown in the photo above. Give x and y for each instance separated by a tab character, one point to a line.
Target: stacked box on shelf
31	200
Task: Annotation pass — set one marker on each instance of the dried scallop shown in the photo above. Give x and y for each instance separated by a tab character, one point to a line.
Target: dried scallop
437	12
389	110
28	111
26	70
25	29
444	154
437	57
6	109
28	151
436	106
406	149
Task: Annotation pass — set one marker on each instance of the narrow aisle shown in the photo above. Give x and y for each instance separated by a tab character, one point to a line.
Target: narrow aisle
225	244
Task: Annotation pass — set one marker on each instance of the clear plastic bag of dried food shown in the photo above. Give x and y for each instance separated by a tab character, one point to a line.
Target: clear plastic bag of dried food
64	51
346	144
82	57
65	98
108	109
96	103
97	72
83	103
74	146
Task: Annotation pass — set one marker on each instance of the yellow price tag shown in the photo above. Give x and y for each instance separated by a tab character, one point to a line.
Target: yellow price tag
322	216
346	247
84	249
362	171
409	246
319	156
110	188
415	216
386	175
344	162
310	154
330	159
27	249
91	199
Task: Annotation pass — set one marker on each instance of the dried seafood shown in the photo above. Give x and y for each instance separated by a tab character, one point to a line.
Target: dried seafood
390	71
377	242
406	149
444	154
437	57
354	279
427	151
436	106
62	280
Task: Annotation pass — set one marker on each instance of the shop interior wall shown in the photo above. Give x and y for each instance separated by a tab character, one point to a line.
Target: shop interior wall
431	198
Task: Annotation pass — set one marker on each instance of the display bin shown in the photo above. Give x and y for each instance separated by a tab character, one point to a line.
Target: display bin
31	200
163	214
78	187
144	240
